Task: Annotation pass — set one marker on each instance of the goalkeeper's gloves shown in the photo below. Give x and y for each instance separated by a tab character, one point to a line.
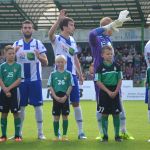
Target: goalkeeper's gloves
119	22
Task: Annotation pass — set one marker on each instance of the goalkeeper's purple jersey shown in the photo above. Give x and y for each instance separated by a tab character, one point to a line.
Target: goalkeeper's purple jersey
97	40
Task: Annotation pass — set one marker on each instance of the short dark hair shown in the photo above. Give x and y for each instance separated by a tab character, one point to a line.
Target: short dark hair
64	22
106	47
8	47
27	22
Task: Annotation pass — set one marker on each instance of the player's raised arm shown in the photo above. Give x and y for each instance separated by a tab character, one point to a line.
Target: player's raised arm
54	27
119	22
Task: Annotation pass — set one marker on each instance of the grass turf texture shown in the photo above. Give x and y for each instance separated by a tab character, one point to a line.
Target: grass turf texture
137	125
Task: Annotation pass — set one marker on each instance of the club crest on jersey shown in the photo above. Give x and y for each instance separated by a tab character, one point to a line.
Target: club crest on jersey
65	78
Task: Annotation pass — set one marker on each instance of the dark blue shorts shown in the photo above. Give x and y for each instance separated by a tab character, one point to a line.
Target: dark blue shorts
75	95
31	93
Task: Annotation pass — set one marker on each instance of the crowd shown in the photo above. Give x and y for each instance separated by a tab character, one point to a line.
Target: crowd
132	63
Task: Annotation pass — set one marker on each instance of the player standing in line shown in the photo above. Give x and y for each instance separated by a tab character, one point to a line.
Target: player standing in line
147	58
30	53
108	78
60	84
64	44
98	38
10	78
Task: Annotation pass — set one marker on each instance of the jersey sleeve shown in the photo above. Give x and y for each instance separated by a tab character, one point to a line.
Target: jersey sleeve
41	47
147	53
98	75
19	71
93	36
15	44
120	75
0	71
148	77
49	83
71	81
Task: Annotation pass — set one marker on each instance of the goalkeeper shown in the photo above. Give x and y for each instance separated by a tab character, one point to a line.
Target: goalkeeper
98	38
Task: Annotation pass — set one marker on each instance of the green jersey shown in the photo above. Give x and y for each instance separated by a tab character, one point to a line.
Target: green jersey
148	77
60	81
10	73
109	75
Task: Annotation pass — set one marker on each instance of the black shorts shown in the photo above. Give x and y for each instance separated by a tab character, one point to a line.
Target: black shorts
60	108
107	105
10	103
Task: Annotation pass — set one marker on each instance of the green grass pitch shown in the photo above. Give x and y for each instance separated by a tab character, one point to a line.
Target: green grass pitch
137	125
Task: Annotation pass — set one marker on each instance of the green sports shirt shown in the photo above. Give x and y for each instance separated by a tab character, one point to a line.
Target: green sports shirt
60	81
108	74
9	73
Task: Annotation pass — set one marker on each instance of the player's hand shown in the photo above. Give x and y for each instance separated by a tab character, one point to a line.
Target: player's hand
81	80
37	53
123	16
62	14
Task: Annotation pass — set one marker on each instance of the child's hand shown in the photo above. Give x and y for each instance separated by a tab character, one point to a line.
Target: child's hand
114	94
58	99
8	94
110	93
63	99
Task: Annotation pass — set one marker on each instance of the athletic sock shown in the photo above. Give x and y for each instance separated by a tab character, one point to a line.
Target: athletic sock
39	119
99	121
17	122
3	126
65	127
78	117
116	121
105	125
56	127
22	116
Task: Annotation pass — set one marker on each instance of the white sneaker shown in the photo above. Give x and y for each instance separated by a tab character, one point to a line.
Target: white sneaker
41	137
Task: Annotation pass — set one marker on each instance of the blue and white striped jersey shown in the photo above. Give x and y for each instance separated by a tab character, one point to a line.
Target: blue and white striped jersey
68	48
31	66
147	53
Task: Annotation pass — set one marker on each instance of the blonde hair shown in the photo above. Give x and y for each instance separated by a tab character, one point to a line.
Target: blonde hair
60	57
106	47
8	47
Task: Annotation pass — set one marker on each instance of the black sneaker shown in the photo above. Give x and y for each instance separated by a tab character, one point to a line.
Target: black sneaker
118	139
104	139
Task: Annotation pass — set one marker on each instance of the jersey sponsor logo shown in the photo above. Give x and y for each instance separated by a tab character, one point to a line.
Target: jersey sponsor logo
71	51
31	56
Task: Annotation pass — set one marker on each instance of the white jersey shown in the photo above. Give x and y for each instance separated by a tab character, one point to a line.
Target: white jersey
68	48
31	66
147	53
